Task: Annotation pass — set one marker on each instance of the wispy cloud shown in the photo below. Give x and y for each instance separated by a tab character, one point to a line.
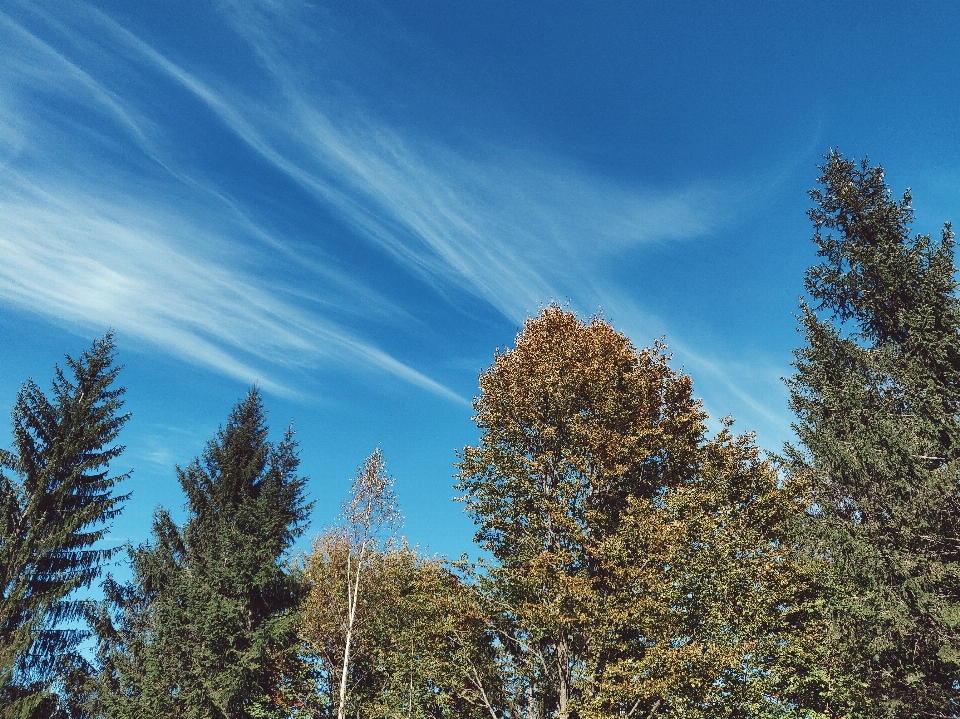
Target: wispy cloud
89	261
510	226
85	250
507	227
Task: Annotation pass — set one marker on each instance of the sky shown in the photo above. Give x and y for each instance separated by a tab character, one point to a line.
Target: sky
353	204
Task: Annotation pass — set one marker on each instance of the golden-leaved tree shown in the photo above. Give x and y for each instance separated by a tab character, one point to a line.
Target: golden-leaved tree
702	609
639	565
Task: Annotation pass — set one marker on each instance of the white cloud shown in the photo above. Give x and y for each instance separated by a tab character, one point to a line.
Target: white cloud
78	246
507	228
512	227
84	260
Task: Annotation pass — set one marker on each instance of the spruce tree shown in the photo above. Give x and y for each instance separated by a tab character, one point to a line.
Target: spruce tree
207	624
56	503
876	394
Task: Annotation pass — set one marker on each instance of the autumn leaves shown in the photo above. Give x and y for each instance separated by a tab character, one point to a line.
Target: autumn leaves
634	564
640	563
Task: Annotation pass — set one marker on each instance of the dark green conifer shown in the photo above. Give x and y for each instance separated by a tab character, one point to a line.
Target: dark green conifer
55	505
877	394
207	626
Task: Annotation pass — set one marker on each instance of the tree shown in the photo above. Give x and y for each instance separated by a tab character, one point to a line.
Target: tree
432	647
420	646
55	506
702	608
598	495
344	561
876	394
208	624
574	421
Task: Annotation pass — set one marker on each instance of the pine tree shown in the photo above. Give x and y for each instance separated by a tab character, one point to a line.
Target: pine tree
54	507
877	394
208	623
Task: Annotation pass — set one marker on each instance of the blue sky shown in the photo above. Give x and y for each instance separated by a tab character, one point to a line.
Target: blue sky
354	203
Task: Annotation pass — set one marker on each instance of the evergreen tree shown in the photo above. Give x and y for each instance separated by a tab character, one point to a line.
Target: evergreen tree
55	505
876	394
208	624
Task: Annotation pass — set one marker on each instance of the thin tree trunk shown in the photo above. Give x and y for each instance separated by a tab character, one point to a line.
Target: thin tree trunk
352	596
563	673
531	702
483	692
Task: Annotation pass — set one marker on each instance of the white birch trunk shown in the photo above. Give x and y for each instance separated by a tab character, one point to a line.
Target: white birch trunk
353	594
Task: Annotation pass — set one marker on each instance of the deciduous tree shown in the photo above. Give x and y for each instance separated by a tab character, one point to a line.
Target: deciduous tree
420	647
702	603
600	497
342	570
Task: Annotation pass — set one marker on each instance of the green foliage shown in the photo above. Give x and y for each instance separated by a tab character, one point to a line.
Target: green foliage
55	505
388	633
420	646
876	394
432	650
207	626
639	567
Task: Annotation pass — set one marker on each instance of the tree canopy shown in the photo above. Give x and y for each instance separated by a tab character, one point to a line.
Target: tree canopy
637	558
623	535
208	622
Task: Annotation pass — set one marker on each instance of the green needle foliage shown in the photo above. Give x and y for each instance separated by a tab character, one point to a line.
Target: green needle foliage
55	505
207	628
876	394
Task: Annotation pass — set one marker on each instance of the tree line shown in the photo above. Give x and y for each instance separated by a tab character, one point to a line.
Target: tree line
636	564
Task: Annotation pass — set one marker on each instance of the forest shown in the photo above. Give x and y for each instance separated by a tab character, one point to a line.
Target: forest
635	564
